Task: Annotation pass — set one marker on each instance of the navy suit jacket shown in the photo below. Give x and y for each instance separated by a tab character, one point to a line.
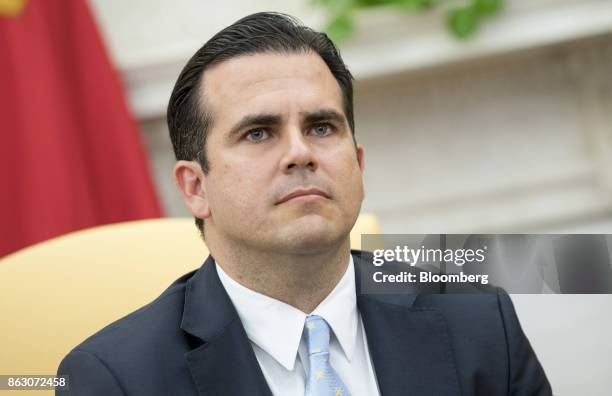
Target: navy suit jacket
190	341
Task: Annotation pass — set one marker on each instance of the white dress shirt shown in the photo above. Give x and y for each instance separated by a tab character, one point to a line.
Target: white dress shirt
275	332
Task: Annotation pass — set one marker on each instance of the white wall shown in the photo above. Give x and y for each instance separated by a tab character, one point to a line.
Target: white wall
572	336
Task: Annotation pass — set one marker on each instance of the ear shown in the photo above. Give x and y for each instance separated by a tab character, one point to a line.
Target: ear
189	178
361	157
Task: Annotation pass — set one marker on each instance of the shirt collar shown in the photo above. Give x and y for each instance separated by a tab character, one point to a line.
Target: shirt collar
276	327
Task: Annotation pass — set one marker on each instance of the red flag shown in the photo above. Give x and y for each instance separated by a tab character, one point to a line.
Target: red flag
70	156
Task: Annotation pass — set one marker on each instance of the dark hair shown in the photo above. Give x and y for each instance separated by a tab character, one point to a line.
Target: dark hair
188	119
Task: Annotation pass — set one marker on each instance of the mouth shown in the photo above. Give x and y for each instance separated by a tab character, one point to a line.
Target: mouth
303	195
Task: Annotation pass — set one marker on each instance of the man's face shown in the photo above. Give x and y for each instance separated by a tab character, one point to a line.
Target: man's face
279	130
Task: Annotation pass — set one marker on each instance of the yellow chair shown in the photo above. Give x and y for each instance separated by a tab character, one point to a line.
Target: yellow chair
55	294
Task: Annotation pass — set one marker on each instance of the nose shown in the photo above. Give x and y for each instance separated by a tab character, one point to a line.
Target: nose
298	152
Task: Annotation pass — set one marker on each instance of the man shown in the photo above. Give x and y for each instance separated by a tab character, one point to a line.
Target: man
261	120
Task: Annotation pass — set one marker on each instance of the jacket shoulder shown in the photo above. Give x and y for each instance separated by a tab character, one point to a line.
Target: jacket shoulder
135	354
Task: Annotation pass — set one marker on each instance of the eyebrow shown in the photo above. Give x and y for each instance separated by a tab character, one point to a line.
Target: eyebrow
276	119
254	119
325	115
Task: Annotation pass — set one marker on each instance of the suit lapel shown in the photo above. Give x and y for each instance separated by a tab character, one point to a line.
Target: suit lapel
222	361
409	346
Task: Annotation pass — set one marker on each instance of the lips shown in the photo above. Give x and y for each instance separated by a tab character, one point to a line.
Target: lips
302	192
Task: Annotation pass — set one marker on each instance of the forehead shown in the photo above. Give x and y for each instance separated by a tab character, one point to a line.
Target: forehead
269	83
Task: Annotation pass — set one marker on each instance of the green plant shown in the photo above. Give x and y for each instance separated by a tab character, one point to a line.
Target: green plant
462	20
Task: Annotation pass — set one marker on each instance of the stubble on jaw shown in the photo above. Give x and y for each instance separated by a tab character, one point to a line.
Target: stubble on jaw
300	281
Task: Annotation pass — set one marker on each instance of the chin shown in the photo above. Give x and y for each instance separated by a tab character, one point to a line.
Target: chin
311	236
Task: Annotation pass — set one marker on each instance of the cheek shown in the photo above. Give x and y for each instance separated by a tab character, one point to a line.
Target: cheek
236	188
357	186
346	175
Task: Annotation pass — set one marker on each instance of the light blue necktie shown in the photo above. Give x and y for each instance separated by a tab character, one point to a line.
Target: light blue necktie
322	378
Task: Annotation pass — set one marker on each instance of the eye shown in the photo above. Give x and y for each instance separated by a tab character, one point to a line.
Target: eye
322	129
257	135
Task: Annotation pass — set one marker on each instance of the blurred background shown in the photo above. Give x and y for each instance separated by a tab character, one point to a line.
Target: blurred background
502	125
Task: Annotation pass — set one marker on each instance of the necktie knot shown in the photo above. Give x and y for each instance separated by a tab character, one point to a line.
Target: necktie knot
317	334
322	378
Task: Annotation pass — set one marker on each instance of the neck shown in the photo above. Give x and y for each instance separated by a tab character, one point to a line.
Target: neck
300	280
